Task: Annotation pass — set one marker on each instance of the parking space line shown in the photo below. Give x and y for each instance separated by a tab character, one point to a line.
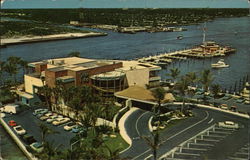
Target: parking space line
202	144
198	149
236	158
220	132
212	140
189	154
214	136
148	157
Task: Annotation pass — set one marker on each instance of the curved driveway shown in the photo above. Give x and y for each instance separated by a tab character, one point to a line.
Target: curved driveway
136	125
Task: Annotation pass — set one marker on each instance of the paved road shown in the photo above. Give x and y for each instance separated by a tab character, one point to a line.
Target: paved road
137	124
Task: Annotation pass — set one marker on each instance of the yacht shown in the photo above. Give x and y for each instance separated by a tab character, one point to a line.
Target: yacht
179	37
220	64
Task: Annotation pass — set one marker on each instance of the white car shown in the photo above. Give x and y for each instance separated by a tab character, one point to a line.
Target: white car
59	121
19	130
40	111
43	118
228	124
36	146
51	119
49	114
69	126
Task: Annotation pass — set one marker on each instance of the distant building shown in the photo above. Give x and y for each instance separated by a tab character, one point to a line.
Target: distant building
106	76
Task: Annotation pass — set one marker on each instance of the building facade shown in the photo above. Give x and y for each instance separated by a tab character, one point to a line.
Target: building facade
106	76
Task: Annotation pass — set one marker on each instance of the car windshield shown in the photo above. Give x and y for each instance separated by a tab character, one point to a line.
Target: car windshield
37	145
71	124
19	128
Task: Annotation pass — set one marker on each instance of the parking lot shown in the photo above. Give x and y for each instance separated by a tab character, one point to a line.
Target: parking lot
229	101
30	123
199	146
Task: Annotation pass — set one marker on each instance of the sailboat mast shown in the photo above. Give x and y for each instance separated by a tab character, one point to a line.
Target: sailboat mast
204	32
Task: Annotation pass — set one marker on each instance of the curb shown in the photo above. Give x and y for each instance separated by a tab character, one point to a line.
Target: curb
122	129
17	140
217	109
150	124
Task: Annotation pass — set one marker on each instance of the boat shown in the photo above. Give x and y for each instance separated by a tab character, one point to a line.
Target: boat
220	64
180	37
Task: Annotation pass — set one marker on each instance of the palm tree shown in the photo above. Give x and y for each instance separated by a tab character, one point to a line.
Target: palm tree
46	91
192	77
11	70
182	87
50	151
12	66
45	131
24	65
174	73
153	143
113	155
159	95
215	89
206	79
2	64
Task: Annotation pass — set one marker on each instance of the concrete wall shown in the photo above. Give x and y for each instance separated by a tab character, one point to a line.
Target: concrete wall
139	77
50	76
30	81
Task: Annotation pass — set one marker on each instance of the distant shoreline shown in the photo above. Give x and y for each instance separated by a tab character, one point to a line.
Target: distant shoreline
34	39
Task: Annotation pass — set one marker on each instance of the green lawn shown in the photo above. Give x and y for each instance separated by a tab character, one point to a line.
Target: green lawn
116	143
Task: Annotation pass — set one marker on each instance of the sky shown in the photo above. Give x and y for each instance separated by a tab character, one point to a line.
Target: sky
124	3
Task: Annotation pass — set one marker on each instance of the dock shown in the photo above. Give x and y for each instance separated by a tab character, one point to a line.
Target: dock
206	50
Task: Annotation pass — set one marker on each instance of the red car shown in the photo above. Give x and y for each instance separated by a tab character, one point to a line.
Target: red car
12	123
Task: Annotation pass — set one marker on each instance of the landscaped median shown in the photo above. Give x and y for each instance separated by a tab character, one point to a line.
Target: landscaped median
121	125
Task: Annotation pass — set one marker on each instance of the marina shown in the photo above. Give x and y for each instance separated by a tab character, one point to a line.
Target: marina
206	50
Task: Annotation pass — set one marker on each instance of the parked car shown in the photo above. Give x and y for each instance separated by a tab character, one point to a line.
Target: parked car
37	111
223	106
247	102
12	123
51	119
69	126
240	100
49	114
59	121
227	97
228	124
233	108
19	130
11	109
43	118
37	147
78	129
28	139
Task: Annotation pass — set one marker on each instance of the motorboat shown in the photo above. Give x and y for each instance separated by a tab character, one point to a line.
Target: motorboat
179	37
220	64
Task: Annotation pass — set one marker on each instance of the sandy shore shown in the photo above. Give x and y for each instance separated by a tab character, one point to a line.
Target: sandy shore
31	39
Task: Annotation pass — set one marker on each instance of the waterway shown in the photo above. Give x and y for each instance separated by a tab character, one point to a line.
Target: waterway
226	31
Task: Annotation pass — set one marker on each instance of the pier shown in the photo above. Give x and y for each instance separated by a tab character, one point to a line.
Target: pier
206	50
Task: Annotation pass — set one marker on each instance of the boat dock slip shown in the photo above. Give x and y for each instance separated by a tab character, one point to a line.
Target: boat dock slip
205	50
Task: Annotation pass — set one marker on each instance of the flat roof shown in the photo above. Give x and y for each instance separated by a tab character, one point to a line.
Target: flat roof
109	75
57	69
62	61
